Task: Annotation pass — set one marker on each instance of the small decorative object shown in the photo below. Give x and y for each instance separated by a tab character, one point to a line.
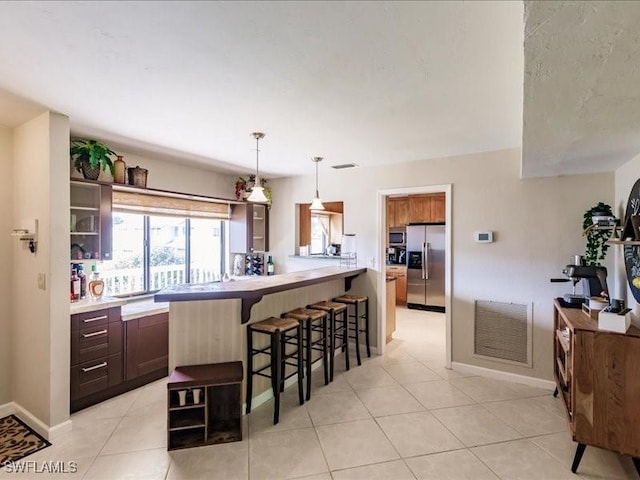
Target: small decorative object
96	285
597	246
182	397
196	396
91	156
120	170
241	188
138	176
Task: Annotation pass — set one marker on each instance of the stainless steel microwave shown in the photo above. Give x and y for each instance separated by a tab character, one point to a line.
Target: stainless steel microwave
397	237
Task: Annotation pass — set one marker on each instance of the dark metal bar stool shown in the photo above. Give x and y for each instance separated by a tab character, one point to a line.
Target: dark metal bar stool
314	321
338	329
280	331
357	301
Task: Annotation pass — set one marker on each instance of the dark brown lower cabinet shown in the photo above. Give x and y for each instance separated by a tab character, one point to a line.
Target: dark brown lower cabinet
147	345
110	357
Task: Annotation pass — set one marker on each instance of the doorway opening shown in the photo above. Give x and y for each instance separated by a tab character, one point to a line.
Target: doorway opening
431	264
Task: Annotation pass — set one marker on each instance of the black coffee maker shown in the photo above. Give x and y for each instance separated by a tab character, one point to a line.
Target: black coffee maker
594	283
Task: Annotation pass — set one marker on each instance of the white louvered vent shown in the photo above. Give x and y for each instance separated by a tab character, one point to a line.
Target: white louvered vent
502	331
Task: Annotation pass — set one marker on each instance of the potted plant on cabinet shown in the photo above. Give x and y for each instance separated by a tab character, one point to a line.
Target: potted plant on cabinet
91	156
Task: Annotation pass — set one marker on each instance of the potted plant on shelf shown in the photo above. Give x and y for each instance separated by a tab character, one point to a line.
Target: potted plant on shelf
597	246
91	156
241	187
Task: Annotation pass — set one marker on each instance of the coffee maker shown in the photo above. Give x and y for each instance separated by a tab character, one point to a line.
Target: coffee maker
594	283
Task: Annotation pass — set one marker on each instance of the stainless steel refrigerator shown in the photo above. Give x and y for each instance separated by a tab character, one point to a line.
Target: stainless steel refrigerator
425	266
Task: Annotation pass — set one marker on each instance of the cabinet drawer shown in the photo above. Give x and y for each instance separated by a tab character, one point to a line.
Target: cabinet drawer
91	377
95	318
95	341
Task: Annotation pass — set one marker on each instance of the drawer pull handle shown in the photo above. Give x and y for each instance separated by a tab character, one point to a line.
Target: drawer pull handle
95	319
94	334
95	367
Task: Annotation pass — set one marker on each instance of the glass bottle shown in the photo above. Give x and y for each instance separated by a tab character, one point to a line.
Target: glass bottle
75	286
96	285
270	266
83	280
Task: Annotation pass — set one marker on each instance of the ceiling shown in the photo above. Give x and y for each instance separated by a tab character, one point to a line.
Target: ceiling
364	82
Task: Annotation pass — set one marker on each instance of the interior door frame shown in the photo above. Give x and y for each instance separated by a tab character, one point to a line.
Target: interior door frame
382	195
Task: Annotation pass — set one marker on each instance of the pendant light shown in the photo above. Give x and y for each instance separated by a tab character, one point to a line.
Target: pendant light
316	204
257	191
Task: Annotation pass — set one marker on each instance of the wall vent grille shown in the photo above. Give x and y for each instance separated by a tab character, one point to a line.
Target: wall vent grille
345	165
502	331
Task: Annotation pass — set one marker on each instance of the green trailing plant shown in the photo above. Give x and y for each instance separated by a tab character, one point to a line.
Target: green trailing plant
95	153
597	246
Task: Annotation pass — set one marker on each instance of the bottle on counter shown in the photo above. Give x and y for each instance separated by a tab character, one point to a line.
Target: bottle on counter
83	280
270	266
96	285
75	286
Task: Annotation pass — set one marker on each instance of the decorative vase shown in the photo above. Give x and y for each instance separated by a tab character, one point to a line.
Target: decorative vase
138	176
89	172
119	170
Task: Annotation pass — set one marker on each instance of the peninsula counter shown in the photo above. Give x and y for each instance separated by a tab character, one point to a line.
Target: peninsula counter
206	321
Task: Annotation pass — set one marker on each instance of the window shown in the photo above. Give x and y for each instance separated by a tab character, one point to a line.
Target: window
320	233
151	252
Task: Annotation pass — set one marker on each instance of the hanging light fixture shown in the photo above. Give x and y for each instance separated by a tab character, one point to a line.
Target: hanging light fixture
316	204
257	191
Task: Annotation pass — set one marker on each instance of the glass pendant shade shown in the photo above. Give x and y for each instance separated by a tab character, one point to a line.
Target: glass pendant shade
257	194
316	204
257	191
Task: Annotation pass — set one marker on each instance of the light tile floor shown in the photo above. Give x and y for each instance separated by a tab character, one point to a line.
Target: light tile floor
398	416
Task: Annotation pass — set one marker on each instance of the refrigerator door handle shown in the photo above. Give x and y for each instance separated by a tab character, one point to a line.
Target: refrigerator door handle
426	260
424	257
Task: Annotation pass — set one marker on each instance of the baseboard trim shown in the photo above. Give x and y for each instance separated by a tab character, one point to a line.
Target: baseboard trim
50	433
500	375
6	409
60	429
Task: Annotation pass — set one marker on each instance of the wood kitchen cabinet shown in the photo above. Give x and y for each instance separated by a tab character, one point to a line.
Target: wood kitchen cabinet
96	355
596	374
90	221
147	346
249	228
397	212
428	208
400	274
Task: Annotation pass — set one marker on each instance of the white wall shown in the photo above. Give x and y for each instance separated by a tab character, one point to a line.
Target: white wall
178	178
6	260
537	225
625	177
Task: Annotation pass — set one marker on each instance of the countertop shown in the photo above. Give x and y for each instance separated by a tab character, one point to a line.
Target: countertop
254	287
131	309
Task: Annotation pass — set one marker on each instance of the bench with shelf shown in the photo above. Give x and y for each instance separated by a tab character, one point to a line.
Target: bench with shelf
216	417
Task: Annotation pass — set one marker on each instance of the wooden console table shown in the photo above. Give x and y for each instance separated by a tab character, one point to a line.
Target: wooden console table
597	374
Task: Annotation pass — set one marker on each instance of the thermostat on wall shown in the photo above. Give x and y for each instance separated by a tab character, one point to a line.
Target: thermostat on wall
483	237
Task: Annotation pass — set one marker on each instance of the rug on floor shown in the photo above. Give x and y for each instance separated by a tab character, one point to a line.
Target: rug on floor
17	440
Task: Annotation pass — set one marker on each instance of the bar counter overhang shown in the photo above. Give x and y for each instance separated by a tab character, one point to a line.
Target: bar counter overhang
250	290
206	321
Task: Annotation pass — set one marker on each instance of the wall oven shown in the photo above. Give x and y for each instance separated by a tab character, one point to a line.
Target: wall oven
397	237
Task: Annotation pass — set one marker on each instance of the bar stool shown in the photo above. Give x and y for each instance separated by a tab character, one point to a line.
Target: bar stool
314	321
338	329
280	331
357	301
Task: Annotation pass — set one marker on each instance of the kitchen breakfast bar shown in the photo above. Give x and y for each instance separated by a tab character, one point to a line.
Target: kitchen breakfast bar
206	321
